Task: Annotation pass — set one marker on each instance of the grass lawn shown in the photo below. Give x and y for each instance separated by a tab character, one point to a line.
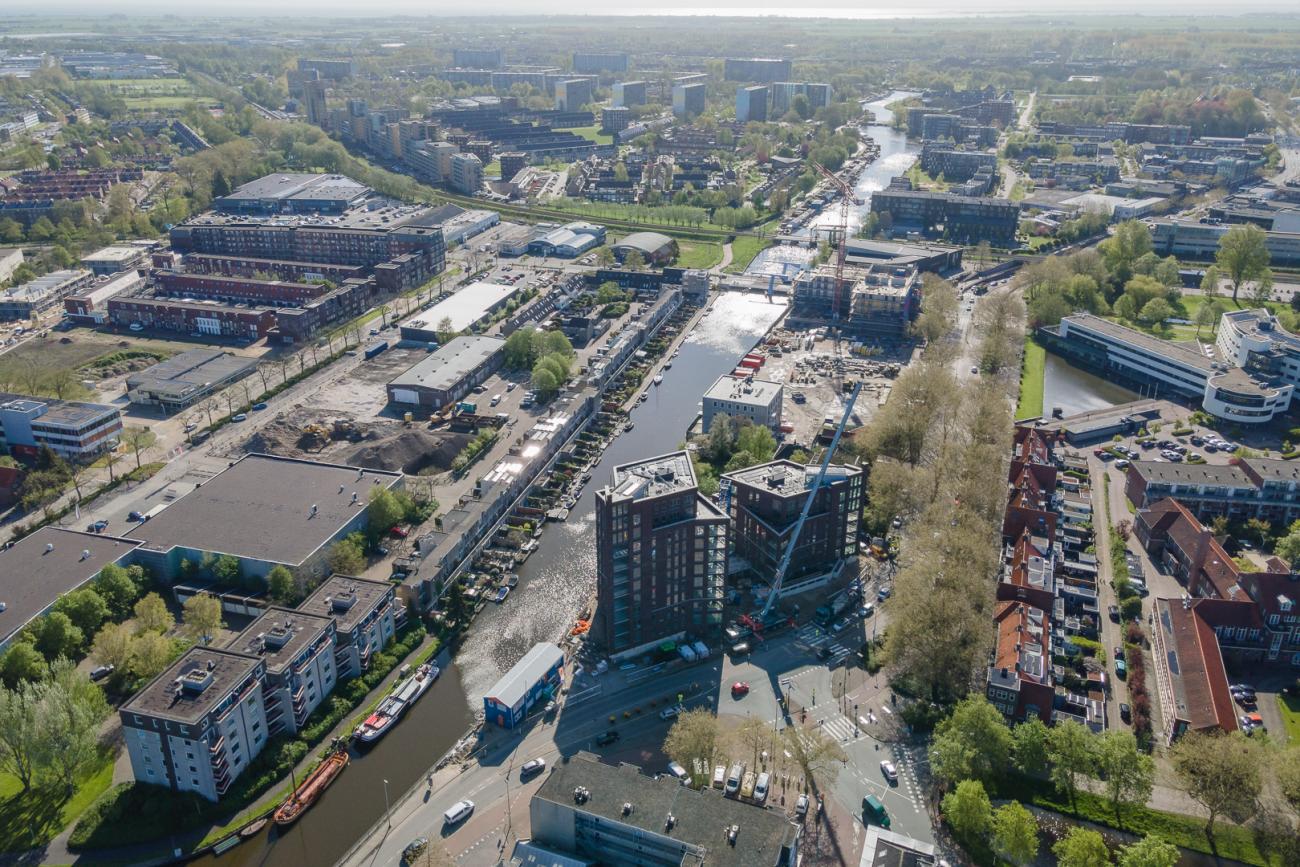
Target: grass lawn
32	820
698	254
743	251
1031	380
1289	707
177	102
593	133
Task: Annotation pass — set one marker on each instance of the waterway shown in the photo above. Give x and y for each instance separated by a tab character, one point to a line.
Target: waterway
1075	390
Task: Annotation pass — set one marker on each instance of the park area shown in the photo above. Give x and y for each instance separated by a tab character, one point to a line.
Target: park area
155	93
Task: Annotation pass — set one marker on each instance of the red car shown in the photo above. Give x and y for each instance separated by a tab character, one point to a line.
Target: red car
739	688
399	532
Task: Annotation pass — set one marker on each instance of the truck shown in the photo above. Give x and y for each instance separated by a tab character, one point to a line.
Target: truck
375	348
833	608
466	406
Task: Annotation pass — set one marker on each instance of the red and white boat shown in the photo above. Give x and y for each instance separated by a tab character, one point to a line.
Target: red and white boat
390	710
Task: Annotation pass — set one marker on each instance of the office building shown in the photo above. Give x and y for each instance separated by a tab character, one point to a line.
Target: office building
185	379
111	260
297	651
199	724
573	94
364	612
315	107
688	100
70	428
478	58
1189	239
661	557
466	174
599	61
449	373
42	294
760	69
958	217
764	503
751	104
265	511
743	399
41	567
617	815
630	94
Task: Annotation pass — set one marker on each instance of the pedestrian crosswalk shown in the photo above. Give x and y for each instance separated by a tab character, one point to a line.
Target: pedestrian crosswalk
839	727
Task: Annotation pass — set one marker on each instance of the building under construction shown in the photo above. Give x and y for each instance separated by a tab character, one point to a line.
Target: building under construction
867	301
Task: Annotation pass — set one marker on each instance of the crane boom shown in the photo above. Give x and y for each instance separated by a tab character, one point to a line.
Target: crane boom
807	506
841	248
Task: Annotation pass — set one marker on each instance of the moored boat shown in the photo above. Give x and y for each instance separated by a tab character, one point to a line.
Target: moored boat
302	797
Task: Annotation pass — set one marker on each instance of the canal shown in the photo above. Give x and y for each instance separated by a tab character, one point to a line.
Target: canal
1074	390
554	584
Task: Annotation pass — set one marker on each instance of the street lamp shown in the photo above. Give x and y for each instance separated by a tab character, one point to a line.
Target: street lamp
388	810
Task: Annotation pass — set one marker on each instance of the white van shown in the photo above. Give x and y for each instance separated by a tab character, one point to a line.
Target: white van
760	788
719	776
733	780
496	398
458	812
679	772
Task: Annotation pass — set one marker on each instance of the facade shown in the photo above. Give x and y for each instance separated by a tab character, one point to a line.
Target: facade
873	301
297	651
599	61
1191	680
613	120
573	94
958	217
765	502
111	260
630	94
42	294
334	70
71	429
760	69
89	306
364	613
1245	488
784	92
655	248
315	105
616	815
751	104
536	677
743	399
191	317
430	161
466	174
185	379
1188	239
661	555
688	99
478	58
446	375
512	163
1250	394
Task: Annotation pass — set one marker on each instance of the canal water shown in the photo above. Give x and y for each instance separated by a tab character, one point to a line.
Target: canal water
1075	390
554	584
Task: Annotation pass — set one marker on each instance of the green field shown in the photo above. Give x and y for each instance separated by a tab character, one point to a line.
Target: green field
743	251
167	102
1031	380
32	820
1289	707
593	133
698	254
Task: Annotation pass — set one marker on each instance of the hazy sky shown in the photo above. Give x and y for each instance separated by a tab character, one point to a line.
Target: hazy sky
818	8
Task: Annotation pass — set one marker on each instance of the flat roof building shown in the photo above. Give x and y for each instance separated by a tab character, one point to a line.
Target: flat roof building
755	400
294	193
119	257
751	104
468	307
761	69
617	815
654	247
187	378
539	674
264	510
70	428
689	99
42	566
42	294
447	374
365	618
298	652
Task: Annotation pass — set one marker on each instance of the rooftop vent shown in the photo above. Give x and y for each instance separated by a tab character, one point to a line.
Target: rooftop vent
85	553
196	680
277	638
344	601
670	822
49	546
627	808
581	795
732	833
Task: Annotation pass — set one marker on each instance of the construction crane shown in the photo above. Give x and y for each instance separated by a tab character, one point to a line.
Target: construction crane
784	565
846	199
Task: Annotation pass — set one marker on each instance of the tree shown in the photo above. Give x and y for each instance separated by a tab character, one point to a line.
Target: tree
280	583
694	742
384	510
1015	833
115	587
57	636
1243	257
113	646
1031	746
20	732
1210	281
1155	312
968	811
519	354
634	261
752	736
939	309
150	654
1219	772
1070	751
1150	851
202	617
818	756
139	440
1286	766
446	329
226	569
1082	847
544	381
85	608
756	439
1127	773
151	615
1130	241
71	710
21	662
346	558
972	743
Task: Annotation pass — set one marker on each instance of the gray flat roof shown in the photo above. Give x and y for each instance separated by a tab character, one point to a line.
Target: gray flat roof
1193	474
789	478
289	185
207	675
346	599
69	413
516	682
448	365
192	369
465	308
654	477
278	635
739	389
699	816
32	577
261	508
1184	353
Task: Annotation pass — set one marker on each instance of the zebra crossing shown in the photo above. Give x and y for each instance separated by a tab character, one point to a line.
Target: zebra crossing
814	638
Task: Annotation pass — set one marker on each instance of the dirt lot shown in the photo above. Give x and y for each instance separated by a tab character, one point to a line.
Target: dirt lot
327	435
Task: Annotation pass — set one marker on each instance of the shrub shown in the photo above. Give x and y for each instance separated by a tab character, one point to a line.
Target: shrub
1131	608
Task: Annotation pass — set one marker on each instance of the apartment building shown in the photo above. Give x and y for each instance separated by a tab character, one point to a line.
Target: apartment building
599	61
573	94
71	429
661	555
958	217
466	174
297	651
872	301
760	69
478	58
784	92
688	100
629	94
365	613
954	164
743	399
751	104
42	294
765	502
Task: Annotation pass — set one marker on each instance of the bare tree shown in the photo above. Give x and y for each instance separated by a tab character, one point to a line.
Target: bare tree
263	370
111	457
139	440
209	406
819	756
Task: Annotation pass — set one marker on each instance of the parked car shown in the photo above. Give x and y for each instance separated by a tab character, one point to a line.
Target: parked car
100	672
243	416
458	812
1119	652
530	767
135	516
891	773
866	610
739	689
1245	699
670	712
679	772
883	594
415	849
97	527
801	806
258	407
606	738
1121	670
1113	611
399	532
